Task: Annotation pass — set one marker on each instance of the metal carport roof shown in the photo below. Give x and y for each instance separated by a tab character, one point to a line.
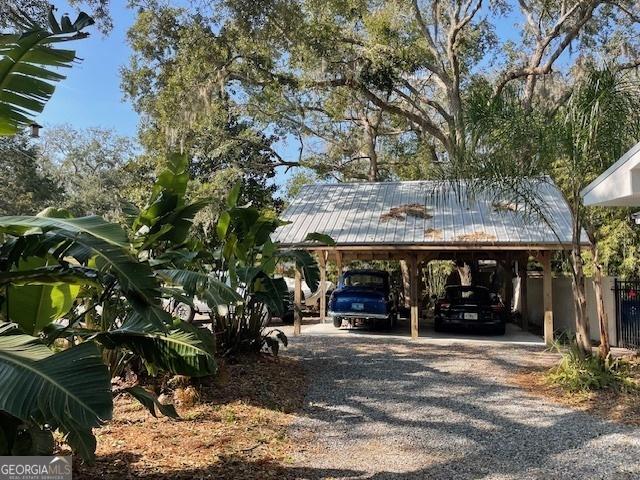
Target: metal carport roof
431	214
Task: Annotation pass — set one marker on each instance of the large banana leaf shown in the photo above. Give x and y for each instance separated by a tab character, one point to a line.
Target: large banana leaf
273	292
305	262
104	243
183	350
94	226
26	79
213	291
70	390
34	306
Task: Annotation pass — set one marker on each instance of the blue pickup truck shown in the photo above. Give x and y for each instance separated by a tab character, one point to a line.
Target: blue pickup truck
364	298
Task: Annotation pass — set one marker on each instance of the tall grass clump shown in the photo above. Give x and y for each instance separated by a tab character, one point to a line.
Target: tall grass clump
579	373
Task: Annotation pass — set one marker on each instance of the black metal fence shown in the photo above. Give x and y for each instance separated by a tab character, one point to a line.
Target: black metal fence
627	297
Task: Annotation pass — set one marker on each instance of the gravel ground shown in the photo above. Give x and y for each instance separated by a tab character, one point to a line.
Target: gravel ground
388	408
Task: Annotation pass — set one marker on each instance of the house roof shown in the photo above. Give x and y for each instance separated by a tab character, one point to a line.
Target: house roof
423	213
616	186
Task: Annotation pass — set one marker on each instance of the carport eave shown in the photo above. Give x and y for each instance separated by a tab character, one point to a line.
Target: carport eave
454	246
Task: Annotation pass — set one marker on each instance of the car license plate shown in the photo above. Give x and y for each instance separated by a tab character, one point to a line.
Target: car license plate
470	316
357	306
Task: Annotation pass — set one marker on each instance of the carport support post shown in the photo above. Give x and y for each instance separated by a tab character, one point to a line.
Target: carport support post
323	285
413	295
297	300
338	265
522	273
547	295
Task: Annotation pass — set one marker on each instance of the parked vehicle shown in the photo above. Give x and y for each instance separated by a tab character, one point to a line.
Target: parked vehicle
471	307
364	298
310	300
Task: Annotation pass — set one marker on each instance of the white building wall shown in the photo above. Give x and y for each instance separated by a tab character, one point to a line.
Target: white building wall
563	307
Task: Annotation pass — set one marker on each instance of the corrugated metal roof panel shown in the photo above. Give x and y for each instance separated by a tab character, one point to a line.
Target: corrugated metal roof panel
361	214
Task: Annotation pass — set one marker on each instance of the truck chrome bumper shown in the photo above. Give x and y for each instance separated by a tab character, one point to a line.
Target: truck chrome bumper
373	316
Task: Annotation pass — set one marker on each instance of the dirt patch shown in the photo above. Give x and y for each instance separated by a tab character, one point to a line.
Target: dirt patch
622	407
238	429
433	234
403	211
477	236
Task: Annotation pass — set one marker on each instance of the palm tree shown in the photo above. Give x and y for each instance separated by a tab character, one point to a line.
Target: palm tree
598	124
509	146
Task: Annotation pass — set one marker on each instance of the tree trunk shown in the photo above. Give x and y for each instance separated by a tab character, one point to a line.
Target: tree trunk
603	319
464	270
583	337
404	268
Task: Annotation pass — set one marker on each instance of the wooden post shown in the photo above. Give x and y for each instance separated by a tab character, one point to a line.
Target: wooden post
413	295
338	265
547	293
508	290
522	273
297	307
323	286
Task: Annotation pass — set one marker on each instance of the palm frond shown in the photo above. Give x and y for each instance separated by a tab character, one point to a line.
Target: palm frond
26	79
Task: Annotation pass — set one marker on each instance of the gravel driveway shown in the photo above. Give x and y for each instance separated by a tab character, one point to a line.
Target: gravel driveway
384	407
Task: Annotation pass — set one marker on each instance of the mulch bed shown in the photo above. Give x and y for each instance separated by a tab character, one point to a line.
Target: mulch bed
237	429
609	404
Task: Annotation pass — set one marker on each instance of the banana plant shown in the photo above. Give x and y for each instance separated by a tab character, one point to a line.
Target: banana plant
42	391
27	81
241	279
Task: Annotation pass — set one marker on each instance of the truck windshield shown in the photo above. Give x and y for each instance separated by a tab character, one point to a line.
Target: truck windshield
364	280
468	294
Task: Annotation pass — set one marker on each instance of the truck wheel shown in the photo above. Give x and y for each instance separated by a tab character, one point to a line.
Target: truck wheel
337	322
184	312
287	317
437	326
390	323
500	329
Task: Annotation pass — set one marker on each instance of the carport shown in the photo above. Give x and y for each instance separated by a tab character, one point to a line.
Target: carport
420	221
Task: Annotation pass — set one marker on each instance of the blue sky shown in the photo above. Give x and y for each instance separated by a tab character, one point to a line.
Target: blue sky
91	96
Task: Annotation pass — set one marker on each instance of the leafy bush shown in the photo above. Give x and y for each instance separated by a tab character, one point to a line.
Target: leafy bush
579	373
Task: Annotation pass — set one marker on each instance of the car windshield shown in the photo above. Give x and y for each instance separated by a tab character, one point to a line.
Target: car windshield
468	294
364	280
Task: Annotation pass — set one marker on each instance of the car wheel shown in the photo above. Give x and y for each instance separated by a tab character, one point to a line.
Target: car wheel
337	322
500	329
438	326
184	312
288	317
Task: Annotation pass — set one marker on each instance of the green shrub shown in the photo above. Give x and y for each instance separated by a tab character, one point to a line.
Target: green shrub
576	373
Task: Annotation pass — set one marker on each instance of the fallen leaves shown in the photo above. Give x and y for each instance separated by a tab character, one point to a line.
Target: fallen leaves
237	430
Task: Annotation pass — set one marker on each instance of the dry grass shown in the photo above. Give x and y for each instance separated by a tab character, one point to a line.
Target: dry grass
505	207
619	406
433	234
477	236
237	429
404	211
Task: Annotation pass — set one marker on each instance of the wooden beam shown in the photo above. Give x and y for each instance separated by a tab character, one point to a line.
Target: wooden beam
338	264
323	286
460	246
547	295
522	273
297	300
413	295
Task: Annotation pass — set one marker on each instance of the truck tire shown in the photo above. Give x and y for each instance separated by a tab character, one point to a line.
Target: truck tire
287	317
438	326
500	329
337	322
